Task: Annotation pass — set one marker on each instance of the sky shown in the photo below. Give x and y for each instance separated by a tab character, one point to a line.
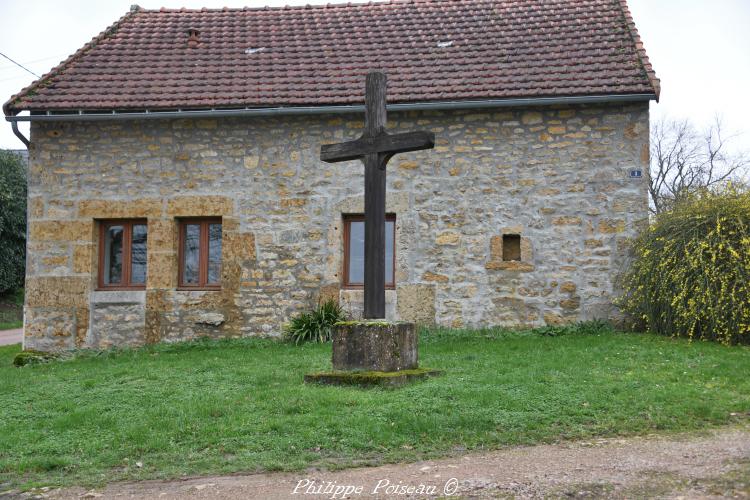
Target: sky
700	50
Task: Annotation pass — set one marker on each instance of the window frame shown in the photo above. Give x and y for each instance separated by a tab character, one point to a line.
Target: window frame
347	220
127	246
203	246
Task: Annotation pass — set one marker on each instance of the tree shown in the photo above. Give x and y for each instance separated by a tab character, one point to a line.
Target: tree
12	221
684	161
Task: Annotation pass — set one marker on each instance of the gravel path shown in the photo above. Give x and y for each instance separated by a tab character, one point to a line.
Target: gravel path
8	337
714	464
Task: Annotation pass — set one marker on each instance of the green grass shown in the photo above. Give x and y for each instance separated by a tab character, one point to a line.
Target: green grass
219	407
11	310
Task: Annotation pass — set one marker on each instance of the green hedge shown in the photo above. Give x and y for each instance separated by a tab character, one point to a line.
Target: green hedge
691	273
12	221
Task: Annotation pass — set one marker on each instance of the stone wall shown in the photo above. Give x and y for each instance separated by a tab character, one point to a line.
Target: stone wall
558	177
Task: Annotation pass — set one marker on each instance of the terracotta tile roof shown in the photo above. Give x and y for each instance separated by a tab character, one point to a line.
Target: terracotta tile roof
432	50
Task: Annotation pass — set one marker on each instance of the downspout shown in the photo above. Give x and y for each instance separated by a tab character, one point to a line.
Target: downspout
18	133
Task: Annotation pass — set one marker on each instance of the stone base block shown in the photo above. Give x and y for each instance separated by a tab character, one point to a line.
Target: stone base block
371	378
374	346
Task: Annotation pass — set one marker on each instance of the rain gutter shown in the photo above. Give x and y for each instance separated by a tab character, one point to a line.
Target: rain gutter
315	110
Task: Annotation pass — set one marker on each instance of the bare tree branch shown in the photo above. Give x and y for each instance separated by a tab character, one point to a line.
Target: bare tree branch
684	161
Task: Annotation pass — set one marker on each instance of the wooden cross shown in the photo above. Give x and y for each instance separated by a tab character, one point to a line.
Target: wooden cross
375	147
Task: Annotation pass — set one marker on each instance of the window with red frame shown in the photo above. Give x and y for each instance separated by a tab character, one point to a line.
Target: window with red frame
200	254
354	251
122	254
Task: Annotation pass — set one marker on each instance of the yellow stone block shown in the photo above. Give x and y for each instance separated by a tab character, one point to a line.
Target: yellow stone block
408	165
161	235
447	239
556	130
55	260
568	287
293	202
120	209
200	206
549	192
230	223
162	270
57	291
251	161
61	230
509	265
36	207
611	226
531	117
496	248
434	277
206	124
238	245
645	155
566	221
82	258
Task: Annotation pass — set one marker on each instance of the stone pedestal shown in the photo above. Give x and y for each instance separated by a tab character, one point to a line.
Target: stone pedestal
375	346
373	353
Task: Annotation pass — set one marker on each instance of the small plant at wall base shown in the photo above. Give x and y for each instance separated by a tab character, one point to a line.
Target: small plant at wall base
691	271
315	325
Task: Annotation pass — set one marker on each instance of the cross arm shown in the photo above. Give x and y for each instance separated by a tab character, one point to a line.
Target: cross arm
383	144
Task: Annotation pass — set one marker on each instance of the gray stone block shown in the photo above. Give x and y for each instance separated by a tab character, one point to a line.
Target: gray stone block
375	346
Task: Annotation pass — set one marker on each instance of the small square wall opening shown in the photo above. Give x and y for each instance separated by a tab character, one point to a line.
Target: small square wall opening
511	247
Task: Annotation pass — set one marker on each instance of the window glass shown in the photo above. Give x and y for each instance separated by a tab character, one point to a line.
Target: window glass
356	252
214	253
138	254
389	230
113	255
191	255
200	264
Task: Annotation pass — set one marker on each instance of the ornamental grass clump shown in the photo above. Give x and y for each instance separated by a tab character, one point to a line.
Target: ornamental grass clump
315	325
691	273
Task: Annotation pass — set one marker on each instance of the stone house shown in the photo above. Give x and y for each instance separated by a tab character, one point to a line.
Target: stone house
176	190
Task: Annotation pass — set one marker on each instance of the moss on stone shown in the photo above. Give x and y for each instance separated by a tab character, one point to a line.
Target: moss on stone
371	378
31	356
369	322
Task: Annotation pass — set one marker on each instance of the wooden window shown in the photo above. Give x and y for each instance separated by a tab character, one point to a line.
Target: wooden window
200	254
122	254
354	251
511	247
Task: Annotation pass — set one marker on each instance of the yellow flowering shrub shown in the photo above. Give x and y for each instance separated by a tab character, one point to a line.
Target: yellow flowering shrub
691	271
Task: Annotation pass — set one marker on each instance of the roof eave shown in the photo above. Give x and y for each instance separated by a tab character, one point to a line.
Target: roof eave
329	109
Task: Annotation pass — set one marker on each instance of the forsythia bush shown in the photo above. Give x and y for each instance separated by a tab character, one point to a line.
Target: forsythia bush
691	273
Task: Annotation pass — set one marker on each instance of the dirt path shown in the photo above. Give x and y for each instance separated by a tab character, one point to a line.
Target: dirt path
8	337
712	465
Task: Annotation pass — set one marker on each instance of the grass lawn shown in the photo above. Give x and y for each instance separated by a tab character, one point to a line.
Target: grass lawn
220	407
11	310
